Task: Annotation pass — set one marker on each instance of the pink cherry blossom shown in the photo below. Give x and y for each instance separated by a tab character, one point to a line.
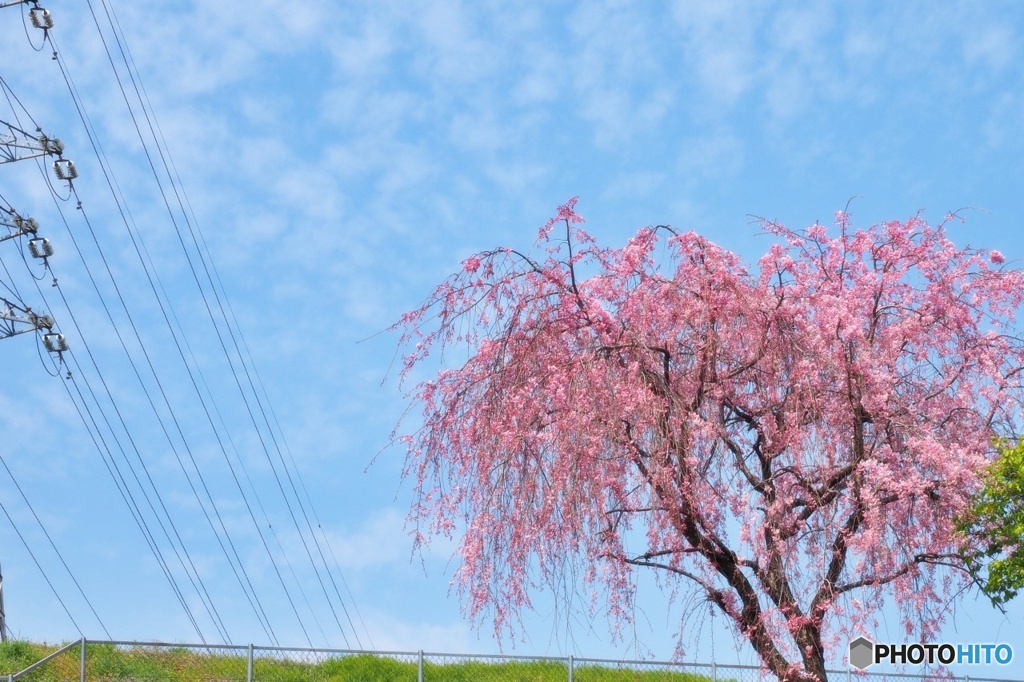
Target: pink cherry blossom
793	441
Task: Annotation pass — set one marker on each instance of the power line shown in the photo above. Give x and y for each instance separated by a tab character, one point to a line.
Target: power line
123	488
32	554
142	345
196	579
17	144
164	310
206	268
194	574
260	612
246	378
193	229
53	545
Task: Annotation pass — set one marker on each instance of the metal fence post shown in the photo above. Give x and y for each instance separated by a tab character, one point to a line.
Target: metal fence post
571	666
714	672
248	667
419	666
81	670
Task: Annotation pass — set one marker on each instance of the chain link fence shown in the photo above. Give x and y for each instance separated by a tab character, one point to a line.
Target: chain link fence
98	661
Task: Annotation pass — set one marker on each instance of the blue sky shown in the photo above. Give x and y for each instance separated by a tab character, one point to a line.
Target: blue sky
342	158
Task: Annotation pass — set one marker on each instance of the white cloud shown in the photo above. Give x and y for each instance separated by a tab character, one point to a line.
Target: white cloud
995	47
718	45
614	70
391	632
380	540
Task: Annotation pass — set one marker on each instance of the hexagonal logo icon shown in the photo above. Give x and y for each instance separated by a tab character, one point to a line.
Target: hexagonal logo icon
862	653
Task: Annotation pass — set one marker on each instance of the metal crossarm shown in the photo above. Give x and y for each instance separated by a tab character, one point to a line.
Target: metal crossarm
15	319
16	144
18	224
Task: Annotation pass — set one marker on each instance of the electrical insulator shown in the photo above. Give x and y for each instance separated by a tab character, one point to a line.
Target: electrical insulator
65	169
40	18
54	146
55	343
25	225
40	247
40	321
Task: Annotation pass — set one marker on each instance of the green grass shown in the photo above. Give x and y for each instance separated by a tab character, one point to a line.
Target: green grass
108	663
15	656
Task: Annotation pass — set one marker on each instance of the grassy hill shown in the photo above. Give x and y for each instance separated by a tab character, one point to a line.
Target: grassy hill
111	663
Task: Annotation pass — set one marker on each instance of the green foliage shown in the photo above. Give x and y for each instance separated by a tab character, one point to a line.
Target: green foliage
367	668
994	528
595	673
144	664
15	656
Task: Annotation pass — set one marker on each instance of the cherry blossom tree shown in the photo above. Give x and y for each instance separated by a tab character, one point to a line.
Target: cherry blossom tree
794	442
